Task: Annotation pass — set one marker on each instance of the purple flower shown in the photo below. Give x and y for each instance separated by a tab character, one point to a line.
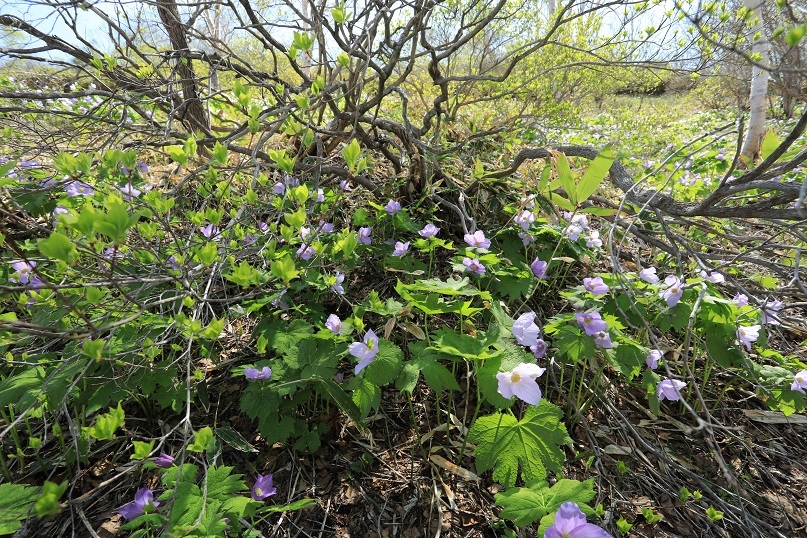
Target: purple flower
748	335
142	167
578	220
474	266
392	207
163	460
521	382
172	263
524	219
345	185
430	230
649	275
306	251
674	291
591	322
364	235
713	277
305	231
129	192
573	231
334	324
539	349
770	313
653	357
27	165
669	389
77	188
594	240
525	330
253	374
595	286
477	239
741	299
603	339
112	253
337	286
249	239
263	488
400	248
526	238
209	231
263	227
324	227
320	196
539	267
365	351
59	210
570	522
279	188
24	271
143	498
799	381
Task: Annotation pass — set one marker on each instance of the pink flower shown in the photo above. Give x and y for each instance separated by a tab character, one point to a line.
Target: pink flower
570	522
538	267
521	382
674	291
430	230
253	374
653	357
474	266
595	286
392	207
525	330
334	324
591	322
365	351
669	389
748	335
364	235
799	381
649	275
400	248
477	239
524	219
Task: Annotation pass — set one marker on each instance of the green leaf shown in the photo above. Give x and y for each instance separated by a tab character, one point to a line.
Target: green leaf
226	433
58	247
505	444
19	383
221	484
565	177
48	501
351	153
794	36
463	346
296	505
285	269
201	440
219	154
527	505
366	396
386	365
628	359
116	221
141	450
177	154
332	389
207	253
595	174
15	506
106	424
574	343
769	144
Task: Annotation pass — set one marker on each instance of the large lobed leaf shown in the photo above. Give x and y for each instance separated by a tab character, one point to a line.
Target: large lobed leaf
505	444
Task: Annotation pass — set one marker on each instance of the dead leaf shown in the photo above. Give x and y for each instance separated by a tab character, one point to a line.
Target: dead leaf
453	468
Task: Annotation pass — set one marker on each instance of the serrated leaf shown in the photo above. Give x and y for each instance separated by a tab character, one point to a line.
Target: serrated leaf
366	396
532	444
527	505
386	365
16	501
574	343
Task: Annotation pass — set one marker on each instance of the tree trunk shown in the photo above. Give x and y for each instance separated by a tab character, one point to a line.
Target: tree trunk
191	112
757	100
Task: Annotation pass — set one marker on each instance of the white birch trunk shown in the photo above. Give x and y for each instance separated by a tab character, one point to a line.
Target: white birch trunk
757	100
